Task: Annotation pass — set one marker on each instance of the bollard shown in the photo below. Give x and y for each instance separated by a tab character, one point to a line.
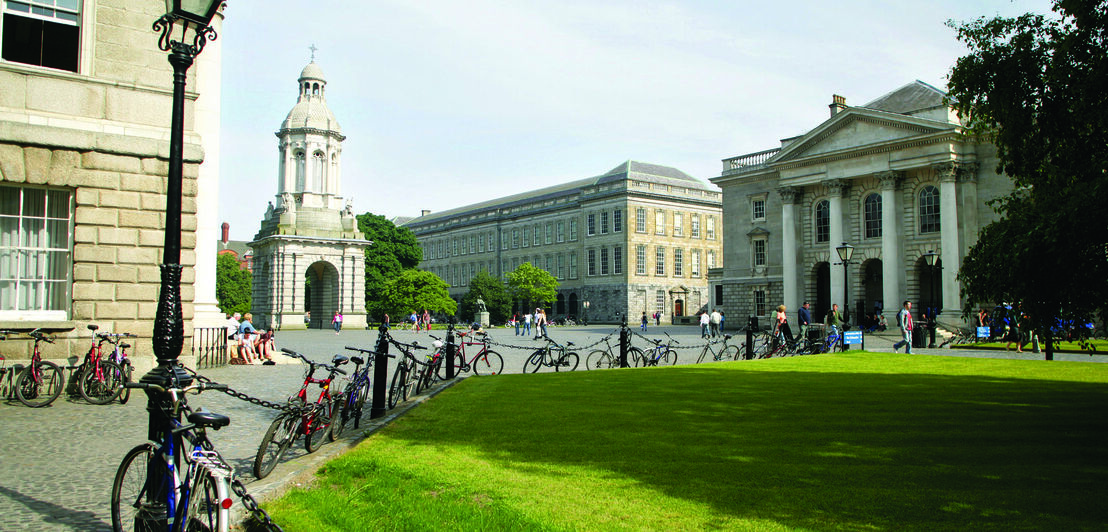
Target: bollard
380	374
450	349
624	343
751	325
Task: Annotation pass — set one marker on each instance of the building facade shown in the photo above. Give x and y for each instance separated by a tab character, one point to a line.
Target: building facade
895	178
85	108
636	239
309	258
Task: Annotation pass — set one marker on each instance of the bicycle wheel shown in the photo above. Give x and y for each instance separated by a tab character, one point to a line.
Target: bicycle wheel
338	416
440	371
41	391
568	362
359	402
319	427
534	362
490	363
205	507
635	357
669	358
278	438
129	487
730	352
398	386
599	359
125	393
101	389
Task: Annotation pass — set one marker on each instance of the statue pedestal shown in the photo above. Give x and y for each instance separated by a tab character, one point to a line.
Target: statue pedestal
482	318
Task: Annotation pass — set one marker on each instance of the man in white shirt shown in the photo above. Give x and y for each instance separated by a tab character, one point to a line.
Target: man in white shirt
704	324
715	322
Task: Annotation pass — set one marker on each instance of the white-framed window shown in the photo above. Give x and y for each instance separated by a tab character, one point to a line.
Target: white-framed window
660	301
711	228
823	221
590	224
694	263
603	222
573	229
481	243
660	260
640	220
604	261
640	260
526	236
538	235
617	221
694	222
758	209
590	262
759	302
515	238
491	246
561	231
678	224
36	258
472	243
549	264
660	222
759	252
549	233
678	262
572	264
454	246
301	171
44	33
711	258
617	260
561	266
872	215
929	210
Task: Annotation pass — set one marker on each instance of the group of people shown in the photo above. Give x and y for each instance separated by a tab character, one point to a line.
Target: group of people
711	324
251	346
538	318
416	321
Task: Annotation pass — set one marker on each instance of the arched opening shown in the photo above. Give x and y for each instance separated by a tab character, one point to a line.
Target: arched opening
822	273
930	287
572	309
321	293
560	305
873	287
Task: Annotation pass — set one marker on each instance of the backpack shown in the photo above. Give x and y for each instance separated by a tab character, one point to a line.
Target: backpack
900	319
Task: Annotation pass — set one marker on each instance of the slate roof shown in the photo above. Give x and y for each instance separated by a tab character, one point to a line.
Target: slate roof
912	97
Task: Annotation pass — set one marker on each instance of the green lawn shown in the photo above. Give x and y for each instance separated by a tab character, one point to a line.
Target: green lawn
1099	346
857	441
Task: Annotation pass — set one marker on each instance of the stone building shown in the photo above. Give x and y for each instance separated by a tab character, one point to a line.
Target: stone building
85	109
636	239
308	254
895	178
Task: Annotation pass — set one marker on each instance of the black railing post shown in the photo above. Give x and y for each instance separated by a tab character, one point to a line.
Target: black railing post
624	343
380	374
450	350
751	325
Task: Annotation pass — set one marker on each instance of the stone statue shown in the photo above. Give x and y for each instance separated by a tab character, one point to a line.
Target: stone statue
481	305
286	200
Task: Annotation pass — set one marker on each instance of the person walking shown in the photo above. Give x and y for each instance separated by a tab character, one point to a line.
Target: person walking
644	322
804	319
426	320
658	318
386	322
704	324
834	320
781	326
527	324
722	318
904	321
714	320
515	320
336	321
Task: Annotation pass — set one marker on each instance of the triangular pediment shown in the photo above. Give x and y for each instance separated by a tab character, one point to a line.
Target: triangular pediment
857	129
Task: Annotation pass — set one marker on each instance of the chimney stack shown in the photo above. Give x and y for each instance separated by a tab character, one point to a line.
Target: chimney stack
838	103
226	232
424	212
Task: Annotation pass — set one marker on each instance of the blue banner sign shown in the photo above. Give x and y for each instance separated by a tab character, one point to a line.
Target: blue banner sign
982	332
852	337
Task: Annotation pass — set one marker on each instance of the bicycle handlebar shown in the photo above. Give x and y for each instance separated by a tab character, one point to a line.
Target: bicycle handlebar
310	362
369	351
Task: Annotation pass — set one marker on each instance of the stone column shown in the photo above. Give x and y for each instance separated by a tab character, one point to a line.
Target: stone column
788	247
893	283
949	237
838	191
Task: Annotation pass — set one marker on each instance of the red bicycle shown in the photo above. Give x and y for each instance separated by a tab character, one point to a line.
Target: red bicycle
314	421
42	381
484	362
99	379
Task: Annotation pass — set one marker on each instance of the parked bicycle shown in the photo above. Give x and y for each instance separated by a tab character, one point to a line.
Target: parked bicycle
661	353
40	382
313	420
357	390
99	379
719	350
484	362
195	490
608	358
404	377
552	355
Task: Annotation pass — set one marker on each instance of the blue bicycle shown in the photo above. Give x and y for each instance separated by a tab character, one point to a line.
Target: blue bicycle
659	354
195	490
357	390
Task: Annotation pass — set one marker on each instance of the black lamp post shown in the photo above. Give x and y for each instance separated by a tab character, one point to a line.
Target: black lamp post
846	251
931	258
190	21
585	314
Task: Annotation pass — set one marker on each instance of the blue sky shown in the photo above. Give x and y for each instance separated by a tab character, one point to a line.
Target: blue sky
450	103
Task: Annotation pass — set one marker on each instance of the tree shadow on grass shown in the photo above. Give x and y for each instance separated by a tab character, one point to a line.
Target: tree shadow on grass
826	451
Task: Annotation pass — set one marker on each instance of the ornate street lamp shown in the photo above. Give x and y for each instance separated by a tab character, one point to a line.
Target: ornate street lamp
585	314
185	29
846	251
931	258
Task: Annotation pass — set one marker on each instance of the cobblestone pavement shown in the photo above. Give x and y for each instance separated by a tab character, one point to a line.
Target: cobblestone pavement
57	463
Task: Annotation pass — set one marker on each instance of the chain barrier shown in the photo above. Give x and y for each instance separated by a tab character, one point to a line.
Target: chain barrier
534	347
284	407
252	506
675	346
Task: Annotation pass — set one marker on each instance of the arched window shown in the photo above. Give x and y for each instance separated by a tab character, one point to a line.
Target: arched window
823	221
315	89
929	210
317	171
873	215
300	171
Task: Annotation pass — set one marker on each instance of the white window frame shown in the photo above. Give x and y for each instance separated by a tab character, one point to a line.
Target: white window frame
33	254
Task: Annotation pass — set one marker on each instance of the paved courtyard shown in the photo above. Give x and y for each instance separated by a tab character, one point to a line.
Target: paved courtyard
57	463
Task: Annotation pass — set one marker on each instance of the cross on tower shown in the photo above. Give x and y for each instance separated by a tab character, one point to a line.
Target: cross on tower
313	49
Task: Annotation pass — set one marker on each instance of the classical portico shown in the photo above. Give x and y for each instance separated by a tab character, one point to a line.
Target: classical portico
895	178
309	258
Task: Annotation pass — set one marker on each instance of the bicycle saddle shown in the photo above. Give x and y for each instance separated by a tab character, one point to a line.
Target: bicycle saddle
357	361
124	346
201	418
339	360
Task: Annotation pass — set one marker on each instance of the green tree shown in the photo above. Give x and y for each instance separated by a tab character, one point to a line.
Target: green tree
394	249
413	290
1034	86
232	285
492	291
531	284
